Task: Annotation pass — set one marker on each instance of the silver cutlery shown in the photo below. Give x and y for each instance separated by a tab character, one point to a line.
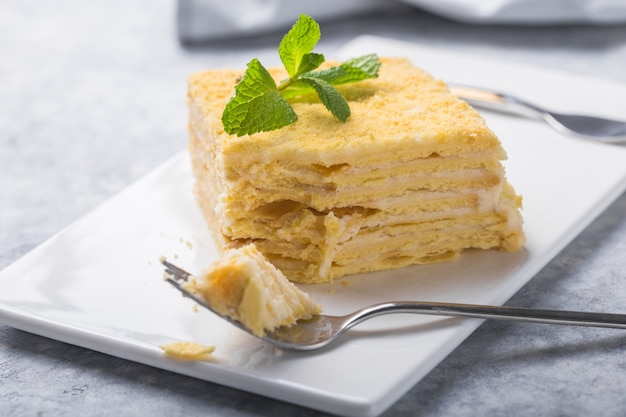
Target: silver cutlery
589	127
321	330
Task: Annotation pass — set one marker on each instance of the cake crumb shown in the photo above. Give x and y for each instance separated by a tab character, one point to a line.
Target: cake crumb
185	242
189	351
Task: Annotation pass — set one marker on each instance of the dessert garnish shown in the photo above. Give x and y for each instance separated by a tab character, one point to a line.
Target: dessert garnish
259	104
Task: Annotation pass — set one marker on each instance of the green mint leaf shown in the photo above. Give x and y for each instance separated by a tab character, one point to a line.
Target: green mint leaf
257	105
298	43
369	65
350	71
330	97
309	62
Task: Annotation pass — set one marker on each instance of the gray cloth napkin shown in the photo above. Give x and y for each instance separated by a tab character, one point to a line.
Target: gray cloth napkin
200	20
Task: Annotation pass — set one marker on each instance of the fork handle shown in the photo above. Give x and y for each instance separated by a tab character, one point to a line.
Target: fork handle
563	317
496	101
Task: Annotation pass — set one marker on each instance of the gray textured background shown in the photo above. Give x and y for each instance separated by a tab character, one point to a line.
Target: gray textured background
92	97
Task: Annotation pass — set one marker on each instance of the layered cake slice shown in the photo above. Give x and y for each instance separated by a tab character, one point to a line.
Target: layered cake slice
413	176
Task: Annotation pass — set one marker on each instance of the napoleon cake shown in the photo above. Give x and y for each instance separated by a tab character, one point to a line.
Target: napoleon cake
413	176
245	287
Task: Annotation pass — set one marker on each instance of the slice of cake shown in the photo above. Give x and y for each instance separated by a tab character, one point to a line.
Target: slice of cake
244	286
413	176
189	351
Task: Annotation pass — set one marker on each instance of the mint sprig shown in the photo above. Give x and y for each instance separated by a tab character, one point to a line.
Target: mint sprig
350	71
260	105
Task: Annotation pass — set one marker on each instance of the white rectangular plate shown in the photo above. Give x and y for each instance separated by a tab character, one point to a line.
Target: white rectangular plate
98	283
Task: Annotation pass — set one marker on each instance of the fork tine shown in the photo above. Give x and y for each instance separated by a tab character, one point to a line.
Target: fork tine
177	277
175	270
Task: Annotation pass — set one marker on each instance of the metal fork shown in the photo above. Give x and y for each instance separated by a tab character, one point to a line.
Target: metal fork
589	127
321	330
